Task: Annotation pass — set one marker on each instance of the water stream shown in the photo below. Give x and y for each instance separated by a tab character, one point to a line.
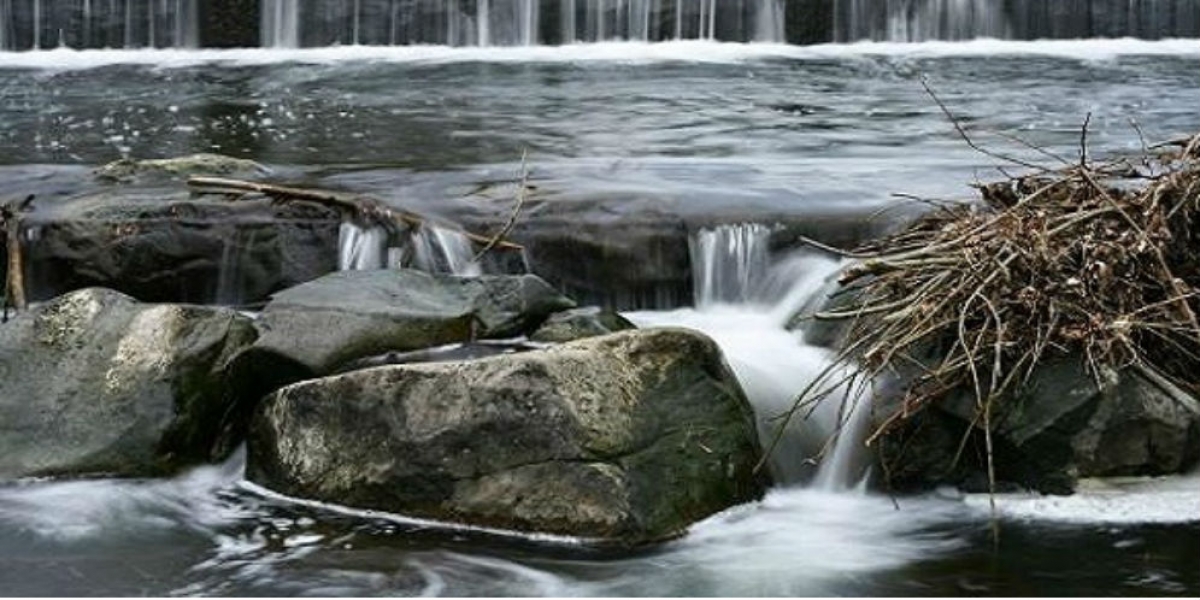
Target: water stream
721	140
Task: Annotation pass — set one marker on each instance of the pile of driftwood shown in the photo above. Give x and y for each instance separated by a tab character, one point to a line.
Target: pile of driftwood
1099	260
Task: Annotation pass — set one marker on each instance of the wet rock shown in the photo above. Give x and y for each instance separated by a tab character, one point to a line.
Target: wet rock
161	245
1061	428
627	438
580	323
96	383
319	327
128	170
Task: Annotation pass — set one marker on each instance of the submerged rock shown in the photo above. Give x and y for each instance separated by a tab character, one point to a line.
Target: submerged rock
1063	427
96	383
580	323
127	170
627	438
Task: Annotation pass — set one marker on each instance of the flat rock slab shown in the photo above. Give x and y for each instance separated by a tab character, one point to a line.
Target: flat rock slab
324	324
94	383
627	438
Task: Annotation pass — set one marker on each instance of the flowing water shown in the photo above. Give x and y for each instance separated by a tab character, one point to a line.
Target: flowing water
738	133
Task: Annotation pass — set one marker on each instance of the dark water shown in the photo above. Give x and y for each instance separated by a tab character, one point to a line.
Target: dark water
755	130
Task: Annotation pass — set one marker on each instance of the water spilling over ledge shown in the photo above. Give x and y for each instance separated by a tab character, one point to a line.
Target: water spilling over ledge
129	24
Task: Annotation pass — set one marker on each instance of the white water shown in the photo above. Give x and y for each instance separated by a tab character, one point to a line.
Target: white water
745	298
64	59
361	248
430	248
99	24
920	20
485	23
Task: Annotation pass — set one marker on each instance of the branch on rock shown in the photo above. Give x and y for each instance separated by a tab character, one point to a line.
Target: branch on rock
364	209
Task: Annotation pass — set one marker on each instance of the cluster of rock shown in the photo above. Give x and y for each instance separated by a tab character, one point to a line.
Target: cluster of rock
622	436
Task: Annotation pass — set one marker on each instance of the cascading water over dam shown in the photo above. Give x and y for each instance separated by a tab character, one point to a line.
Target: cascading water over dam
296	23
921	20
42	24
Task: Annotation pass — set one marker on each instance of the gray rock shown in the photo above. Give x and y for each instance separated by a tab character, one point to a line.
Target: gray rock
626	438
162	245
1061	427
128	170
324	324
580	323
95	383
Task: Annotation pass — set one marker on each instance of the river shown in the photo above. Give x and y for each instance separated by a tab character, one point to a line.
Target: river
761	128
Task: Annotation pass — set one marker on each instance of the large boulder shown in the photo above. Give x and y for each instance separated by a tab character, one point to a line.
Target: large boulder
627	438
1065	424
96	383
163	245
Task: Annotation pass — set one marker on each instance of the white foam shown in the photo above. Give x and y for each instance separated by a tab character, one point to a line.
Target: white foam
1162	500
621	52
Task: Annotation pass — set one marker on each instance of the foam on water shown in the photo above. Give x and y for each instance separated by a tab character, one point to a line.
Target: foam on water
1112	501
93	509
690	51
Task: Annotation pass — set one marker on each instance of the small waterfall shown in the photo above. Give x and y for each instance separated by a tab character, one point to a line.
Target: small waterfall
281	23
44	24
429	248
441	250
362	248
230	284
745	299
729	262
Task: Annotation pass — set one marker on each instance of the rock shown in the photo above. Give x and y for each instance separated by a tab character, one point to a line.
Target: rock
95	383
580	323
127	170
316	328
1061	428
161	245
626	438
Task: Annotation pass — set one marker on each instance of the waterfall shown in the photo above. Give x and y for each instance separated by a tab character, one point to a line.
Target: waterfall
441	250
729	262
42	24
745	298
429	248
516	22
281	23
920	20
361	248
